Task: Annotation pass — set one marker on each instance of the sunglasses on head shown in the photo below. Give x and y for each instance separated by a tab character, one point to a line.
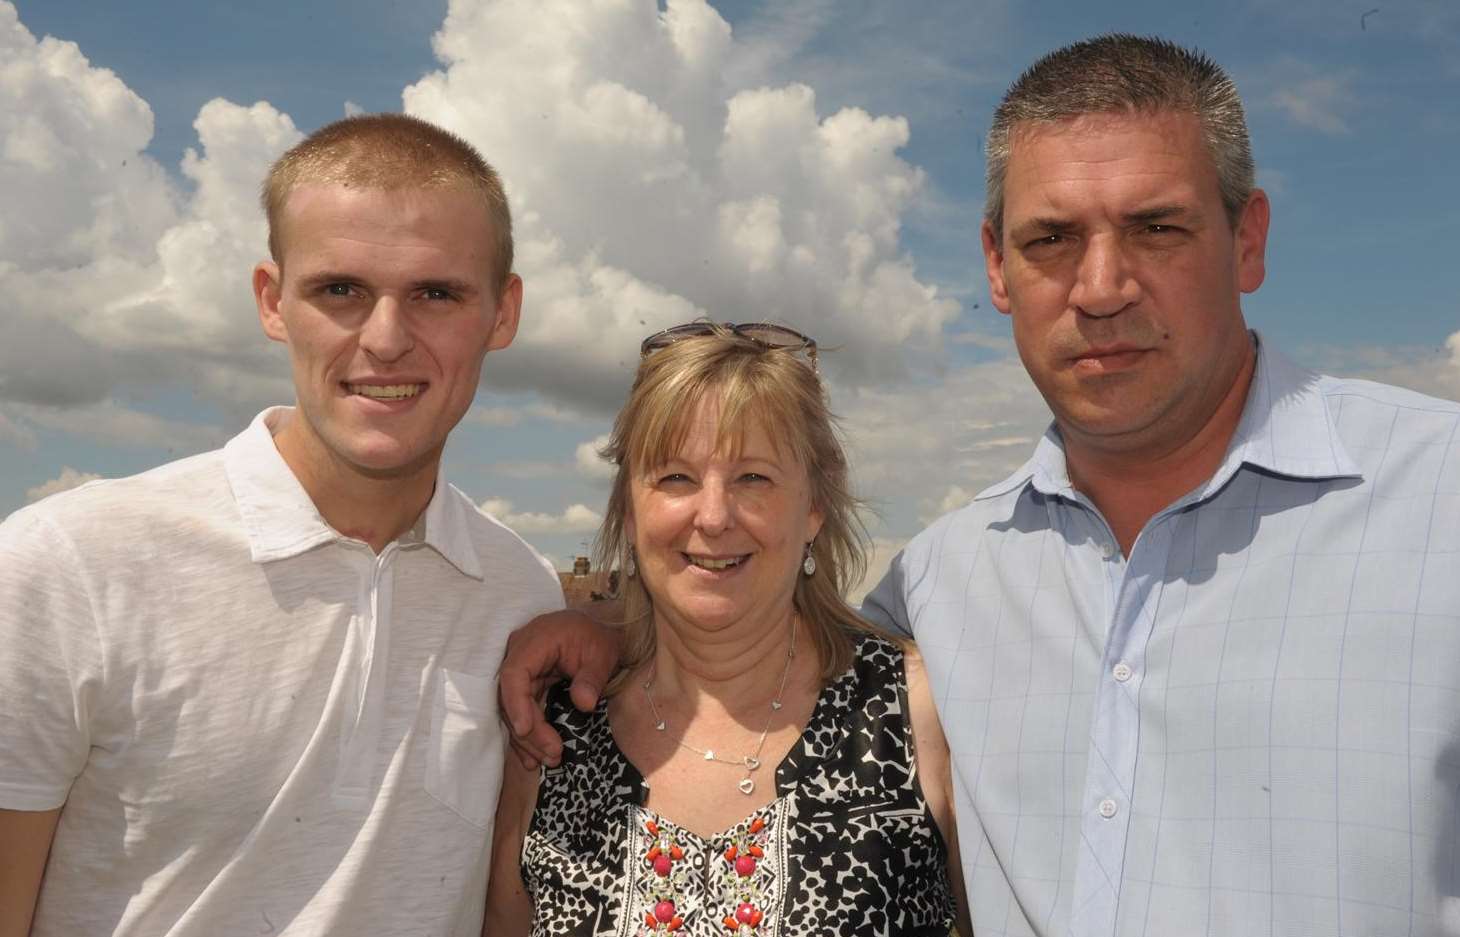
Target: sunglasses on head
763	334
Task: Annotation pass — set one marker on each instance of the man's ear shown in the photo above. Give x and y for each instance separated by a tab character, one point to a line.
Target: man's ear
1252	241
268	286
993	262
509	313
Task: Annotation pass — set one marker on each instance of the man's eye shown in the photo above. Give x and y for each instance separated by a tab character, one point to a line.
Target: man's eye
1048	241
338	289
437	294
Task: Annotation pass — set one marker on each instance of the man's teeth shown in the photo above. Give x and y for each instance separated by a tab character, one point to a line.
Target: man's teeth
705	562
385	391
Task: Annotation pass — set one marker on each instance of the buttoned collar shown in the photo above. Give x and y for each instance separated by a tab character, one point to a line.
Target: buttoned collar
1286	428
281	521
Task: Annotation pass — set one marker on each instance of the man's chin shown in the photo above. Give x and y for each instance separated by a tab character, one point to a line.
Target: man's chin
1112	424
394	465
385	457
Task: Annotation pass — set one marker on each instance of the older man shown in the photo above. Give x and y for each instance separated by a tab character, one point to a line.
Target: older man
1198	660
252	692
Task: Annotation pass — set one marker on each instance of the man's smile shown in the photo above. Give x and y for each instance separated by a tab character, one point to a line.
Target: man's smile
385	391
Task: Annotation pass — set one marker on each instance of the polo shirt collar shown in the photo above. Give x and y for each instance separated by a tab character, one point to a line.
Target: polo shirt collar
281	521
1286	428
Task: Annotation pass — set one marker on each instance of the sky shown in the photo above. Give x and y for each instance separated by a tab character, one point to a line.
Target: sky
814	162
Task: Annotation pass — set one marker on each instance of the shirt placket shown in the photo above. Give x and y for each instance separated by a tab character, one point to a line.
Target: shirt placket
363	723
1134	585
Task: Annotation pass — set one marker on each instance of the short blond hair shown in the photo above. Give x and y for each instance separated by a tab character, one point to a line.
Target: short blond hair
751	384
390	152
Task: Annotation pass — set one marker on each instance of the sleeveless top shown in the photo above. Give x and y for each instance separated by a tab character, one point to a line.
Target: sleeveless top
847	847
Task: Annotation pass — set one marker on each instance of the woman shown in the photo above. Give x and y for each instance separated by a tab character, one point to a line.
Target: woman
764	763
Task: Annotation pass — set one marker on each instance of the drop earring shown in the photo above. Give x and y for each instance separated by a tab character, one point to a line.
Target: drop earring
808	562
631	569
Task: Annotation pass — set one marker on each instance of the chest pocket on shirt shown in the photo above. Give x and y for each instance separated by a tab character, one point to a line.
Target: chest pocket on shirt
464	764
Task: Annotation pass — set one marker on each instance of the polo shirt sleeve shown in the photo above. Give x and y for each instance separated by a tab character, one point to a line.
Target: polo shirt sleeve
886	605
50	663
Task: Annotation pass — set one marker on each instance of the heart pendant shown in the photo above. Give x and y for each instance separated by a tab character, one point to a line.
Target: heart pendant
752	762
746	786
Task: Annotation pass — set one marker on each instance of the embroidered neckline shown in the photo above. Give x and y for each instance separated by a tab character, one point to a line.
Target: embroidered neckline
738	877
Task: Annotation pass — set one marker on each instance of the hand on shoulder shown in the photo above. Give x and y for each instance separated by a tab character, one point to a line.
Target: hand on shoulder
567	644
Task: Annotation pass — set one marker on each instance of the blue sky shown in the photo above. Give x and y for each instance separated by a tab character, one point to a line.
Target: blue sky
845	132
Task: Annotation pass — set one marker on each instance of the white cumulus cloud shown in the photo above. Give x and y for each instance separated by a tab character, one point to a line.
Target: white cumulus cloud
576	518
589	463
115	276
119	425
1434	371
649	189
660	167
968	428
68	479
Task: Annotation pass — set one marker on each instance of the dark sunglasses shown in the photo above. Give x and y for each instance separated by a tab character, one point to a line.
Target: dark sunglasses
763	334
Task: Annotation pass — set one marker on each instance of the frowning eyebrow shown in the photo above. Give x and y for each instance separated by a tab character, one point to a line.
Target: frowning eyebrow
1040	227
1158	214
1050	225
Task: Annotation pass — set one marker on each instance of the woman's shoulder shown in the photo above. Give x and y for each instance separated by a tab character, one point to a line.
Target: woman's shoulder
874	653
576	795
578	729
875	673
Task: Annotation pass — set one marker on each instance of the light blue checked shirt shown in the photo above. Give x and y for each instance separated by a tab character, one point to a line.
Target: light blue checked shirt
1251	725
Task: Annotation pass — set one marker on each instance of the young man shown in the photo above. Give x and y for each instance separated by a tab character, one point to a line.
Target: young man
1198	661
253	691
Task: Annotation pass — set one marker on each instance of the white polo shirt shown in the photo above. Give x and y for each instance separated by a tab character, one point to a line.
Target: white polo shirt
255	724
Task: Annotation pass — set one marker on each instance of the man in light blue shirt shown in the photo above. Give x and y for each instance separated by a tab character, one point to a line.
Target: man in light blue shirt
1198	660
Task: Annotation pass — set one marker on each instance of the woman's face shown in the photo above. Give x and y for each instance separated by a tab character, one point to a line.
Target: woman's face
720	540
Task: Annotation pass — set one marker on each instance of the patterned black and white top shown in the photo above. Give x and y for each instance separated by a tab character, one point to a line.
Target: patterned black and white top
848	847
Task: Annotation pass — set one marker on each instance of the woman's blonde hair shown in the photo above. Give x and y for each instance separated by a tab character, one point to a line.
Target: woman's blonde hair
752	385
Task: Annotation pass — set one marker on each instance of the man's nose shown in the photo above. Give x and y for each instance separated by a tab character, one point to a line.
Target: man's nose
386	334
1105	282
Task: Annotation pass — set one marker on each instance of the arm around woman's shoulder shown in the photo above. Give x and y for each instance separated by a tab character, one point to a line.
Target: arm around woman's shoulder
509	907
935	773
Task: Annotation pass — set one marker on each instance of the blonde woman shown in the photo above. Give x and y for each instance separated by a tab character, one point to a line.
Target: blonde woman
764	763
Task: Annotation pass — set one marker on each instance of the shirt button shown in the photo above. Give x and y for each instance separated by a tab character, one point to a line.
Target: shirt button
1108	550
1108	808
1122	672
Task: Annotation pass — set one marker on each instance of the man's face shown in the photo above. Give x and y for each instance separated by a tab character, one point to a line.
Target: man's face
388	303
1123	276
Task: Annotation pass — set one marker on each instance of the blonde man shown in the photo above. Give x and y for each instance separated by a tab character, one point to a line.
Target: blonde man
251	691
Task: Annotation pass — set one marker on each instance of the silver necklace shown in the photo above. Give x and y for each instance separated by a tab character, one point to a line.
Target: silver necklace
749	762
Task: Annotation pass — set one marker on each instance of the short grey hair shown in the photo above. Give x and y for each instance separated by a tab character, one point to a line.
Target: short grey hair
1120	73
